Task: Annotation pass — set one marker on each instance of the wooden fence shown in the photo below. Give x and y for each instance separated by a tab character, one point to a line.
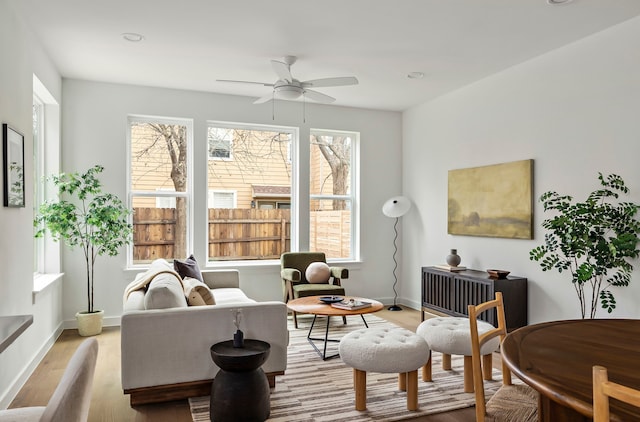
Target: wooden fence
240	234
330	232
236	234
153	233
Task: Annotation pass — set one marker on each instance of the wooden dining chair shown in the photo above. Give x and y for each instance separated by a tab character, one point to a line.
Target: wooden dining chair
511	402
603	389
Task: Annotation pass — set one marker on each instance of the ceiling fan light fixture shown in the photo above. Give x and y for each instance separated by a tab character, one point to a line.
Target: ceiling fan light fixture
288	92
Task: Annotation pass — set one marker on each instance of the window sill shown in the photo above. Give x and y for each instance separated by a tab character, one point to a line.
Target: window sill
42	281
252	264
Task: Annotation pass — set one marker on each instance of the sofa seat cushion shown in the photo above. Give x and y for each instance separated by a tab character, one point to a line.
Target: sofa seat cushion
165	291
230	295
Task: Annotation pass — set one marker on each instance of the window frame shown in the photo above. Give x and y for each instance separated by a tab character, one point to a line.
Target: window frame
46	161
354	189
292	151
300	193
188	194
38	174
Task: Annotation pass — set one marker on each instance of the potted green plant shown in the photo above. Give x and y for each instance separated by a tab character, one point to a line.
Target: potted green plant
86	217
592	240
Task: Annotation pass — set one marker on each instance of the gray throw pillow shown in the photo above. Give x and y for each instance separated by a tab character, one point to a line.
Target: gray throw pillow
188	268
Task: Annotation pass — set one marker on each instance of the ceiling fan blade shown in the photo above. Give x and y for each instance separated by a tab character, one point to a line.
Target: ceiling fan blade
244	82
264	99
325	82
282	70
318	97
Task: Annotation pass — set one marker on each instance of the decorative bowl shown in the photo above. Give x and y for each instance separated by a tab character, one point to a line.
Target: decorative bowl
498	273
330	299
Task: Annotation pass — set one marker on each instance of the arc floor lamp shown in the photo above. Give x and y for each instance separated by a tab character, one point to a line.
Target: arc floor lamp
395	207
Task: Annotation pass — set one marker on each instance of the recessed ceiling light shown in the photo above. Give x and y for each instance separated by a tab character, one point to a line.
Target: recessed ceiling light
415	75
559	1
132	36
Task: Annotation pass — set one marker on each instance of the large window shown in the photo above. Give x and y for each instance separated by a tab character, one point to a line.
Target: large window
160	188
46	161
258	174
247	206
332	193
38	174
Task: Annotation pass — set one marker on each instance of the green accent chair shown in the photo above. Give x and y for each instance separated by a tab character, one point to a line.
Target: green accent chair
293	266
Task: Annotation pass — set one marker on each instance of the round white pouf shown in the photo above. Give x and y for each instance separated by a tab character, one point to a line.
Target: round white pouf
452	336
385	350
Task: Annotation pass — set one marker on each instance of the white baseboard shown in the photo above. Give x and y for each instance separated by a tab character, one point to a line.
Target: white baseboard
23	376
71	324
400	301
411	304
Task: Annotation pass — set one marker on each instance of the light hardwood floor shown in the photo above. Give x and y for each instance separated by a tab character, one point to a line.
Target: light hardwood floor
109	404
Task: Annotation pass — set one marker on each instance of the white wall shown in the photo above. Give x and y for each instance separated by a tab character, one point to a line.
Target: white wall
21	58
94	128
574	111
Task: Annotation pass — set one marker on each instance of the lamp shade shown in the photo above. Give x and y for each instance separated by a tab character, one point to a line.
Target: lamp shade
396	207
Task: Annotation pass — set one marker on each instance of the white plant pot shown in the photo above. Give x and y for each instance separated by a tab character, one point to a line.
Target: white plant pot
89	324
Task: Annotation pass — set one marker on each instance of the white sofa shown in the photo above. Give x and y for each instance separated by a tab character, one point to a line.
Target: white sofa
166	352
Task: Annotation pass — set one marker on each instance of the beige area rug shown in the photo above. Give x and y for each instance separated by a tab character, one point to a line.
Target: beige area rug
313	390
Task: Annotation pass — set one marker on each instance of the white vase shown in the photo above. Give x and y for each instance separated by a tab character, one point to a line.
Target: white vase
89	324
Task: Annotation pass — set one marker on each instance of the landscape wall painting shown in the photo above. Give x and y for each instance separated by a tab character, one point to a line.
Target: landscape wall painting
492	201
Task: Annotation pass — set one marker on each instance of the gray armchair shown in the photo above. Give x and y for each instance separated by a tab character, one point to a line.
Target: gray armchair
293	266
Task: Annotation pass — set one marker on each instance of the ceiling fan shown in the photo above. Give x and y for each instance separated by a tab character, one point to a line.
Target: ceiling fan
289	88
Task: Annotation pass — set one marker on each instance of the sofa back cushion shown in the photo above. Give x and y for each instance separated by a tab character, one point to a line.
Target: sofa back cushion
165	291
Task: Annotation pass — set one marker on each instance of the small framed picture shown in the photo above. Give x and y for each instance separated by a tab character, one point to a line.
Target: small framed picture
13	160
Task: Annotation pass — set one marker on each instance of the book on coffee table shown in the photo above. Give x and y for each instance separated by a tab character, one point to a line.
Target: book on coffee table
351	305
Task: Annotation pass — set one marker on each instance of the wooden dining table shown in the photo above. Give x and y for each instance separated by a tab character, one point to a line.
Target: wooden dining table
556	359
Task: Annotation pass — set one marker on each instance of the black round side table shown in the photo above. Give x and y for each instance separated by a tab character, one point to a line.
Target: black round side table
240	389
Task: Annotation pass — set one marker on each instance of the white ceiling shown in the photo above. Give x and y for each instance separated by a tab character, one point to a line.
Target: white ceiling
191	43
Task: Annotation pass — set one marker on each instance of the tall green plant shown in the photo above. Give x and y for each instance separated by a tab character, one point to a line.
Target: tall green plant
86	217
593	240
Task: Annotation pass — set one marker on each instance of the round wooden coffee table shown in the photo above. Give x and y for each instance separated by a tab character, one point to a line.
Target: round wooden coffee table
313	305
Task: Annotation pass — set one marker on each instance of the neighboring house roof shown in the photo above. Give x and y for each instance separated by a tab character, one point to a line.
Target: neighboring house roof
270	191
